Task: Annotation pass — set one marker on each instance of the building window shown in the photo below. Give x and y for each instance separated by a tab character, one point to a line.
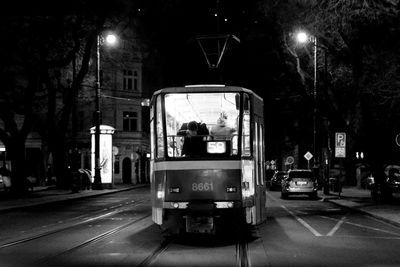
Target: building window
130	121
116	166
135	80
127	80
130	80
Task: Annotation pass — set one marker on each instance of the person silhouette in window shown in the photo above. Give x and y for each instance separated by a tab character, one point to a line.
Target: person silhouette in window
221	131
194	133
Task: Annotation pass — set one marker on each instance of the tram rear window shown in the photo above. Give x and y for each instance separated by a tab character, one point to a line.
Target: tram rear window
202	124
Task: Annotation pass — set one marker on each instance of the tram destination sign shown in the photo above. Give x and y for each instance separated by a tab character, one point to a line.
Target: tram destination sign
340	145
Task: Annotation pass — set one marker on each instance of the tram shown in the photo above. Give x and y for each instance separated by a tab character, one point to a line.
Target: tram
207	157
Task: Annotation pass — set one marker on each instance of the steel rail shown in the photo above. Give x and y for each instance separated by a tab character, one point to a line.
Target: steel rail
118	209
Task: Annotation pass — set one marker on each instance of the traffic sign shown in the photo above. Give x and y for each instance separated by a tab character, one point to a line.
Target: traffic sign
398	139
289	160
308	155
340	145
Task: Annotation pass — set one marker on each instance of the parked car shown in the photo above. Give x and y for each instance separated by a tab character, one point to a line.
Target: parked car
276	180
299	182
5	182
5	179
383	189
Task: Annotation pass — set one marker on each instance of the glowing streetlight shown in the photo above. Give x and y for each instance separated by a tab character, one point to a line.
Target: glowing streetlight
110	39
301	37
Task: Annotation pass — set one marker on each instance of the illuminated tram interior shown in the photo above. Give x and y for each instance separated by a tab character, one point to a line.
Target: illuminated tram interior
207	108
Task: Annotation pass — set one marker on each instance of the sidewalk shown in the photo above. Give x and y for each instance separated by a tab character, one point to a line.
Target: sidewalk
47	194
360	200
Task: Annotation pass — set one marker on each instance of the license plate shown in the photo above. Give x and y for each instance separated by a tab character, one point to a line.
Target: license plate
199	224
301	183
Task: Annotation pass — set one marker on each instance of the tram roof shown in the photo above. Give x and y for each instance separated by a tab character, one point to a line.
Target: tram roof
205	88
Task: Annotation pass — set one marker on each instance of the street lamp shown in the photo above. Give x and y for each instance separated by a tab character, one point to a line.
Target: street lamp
303	37
109	39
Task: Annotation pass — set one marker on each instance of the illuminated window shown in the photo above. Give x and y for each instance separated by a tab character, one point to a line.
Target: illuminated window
130	121
246	145
159	129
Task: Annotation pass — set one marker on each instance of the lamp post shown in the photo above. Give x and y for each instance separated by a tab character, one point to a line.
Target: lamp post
109	39
303	37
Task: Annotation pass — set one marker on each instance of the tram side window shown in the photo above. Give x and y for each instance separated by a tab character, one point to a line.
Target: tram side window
174	141
152	132
159	130
246	127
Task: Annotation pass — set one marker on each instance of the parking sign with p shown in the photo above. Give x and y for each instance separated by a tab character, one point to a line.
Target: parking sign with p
340	145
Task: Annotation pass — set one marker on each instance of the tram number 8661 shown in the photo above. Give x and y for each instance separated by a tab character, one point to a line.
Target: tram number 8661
202	187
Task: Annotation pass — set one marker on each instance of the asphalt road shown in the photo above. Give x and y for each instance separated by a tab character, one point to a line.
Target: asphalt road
303	232
116	230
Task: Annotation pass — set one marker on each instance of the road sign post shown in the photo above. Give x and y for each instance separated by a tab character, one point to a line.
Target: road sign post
308	156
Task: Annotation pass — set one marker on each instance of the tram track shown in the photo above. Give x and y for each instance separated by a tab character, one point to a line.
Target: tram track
156	253
95	239
112	211
242	256
241	251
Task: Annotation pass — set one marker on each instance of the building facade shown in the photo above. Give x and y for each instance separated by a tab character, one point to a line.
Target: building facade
121	95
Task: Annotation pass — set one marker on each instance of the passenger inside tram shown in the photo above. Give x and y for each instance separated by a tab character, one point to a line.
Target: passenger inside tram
195	133
221	131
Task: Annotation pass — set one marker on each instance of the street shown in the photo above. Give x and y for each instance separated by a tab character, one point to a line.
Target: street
116	230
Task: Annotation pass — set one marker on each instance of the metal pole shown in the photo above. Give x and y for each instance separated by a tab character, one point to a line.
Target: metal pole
328	158
97	117
315	101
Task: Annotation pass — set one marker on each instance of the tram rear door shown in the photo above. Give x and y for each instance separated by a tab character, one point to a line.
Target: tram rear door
260	194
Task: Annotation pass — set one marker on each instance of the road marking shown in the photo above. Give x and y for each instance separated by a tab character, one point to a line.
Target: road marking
306	225
373	228
336	227
366	227
368	237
